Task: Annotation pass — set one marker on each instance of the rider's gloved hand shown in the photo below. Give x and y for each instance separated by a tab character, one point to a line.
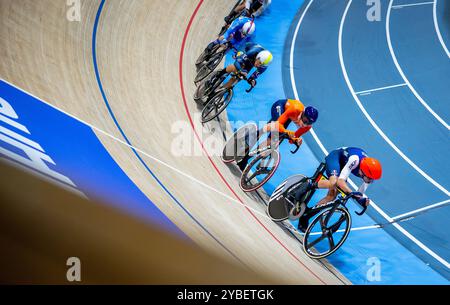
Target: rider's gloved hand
299	141
363	201
290	134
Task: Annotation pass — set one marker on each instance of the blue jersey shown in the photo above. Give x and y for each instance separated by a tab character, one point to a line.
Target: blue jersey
338	159
354	151
246	61
234	33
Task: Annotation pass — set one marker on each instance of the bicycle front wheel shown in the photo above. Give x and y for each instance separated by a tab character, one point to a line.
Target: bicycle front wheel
259	171
217	105
324	237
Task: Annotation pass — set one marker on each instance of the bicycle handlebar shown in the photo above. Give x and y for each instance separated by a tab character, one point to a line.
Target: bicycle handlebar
241	76
251	86
296	149
284	136
355	195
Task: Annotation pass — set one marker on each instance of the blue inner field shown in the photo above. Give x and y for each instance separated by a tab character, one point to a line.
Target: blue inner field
398	264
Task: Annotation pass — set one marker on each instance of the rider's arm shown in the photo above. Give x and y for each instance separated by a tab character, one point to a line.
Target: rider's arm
352	163
279	124
302	131
363	188
257	73
235	25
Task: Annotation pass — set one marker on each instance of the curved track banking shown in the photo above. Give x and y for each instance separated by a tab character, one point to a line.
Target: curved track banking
125	80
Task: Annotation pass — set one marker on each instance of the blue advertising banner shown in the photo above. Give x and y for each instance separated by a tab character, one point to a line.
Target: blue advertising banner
60	149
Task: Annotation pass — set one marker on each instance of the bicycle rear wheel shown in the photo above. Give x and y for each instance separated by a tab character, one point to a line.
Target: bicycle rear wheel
208	86
323	239
240	143
217	105
209	67
259	171
205	56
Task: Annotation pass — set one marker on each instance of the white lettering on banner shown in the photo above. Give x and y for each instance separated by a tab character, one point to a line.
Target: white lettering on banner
35	157
20	138
7	113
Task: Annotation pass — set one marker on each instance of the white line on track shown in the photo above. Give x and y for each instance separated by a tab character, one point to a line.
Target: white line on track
412	213
382	88
427	208
322	147
351	230
400	70
438	31
412	4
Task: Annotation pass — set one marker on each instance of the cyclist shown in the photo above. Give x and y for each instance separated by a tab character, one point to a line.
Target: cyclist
283	112
240	30
254	56
249	8
342	162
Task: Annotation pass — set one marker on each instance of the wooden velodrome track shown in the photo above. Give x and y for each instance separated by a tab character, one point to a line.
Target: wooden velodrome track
139	52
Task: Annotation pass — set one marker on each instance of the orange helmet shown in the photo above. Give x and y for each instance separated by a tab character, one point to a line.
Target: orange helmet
371	168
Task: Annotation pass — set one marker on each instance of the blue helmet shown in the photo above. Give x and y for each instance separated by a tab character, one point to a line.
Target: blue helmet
311	114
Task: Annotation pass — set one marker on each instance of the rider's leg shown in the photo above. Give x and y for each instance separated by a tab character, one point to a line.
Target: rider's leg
333	170
230	69
276	111
329	184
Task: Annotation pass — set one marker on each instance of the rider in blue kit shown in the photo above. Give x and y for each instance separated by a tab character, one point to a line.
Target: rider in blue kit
344	161
240	30
254	56
340	163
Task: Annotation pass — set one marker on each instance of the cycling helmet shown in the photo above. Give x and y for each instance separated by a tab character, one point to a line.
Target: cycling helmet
248	28
265	57
371	168
311	114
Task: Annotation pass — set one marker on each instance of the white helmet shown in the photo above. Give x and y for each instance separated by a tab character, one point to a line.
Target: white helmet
248	28
265	57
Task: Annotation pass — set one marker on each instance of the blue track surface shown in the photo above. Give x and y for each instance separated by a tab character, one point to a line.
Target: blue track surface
319	80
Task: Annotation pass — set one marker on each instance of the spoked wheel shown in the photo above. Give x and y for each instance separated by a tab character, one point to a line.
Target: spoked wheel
208	86
324	237
259	171
209	67
201	59
240	143
205	56
216	105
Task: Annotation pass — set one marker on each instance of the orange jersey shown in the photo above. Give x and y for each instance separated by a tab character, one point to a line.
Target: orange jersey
292	110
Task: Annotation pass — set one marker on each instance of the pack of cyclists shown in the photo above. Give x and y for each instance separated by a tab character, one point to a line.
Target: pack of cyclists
340	163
